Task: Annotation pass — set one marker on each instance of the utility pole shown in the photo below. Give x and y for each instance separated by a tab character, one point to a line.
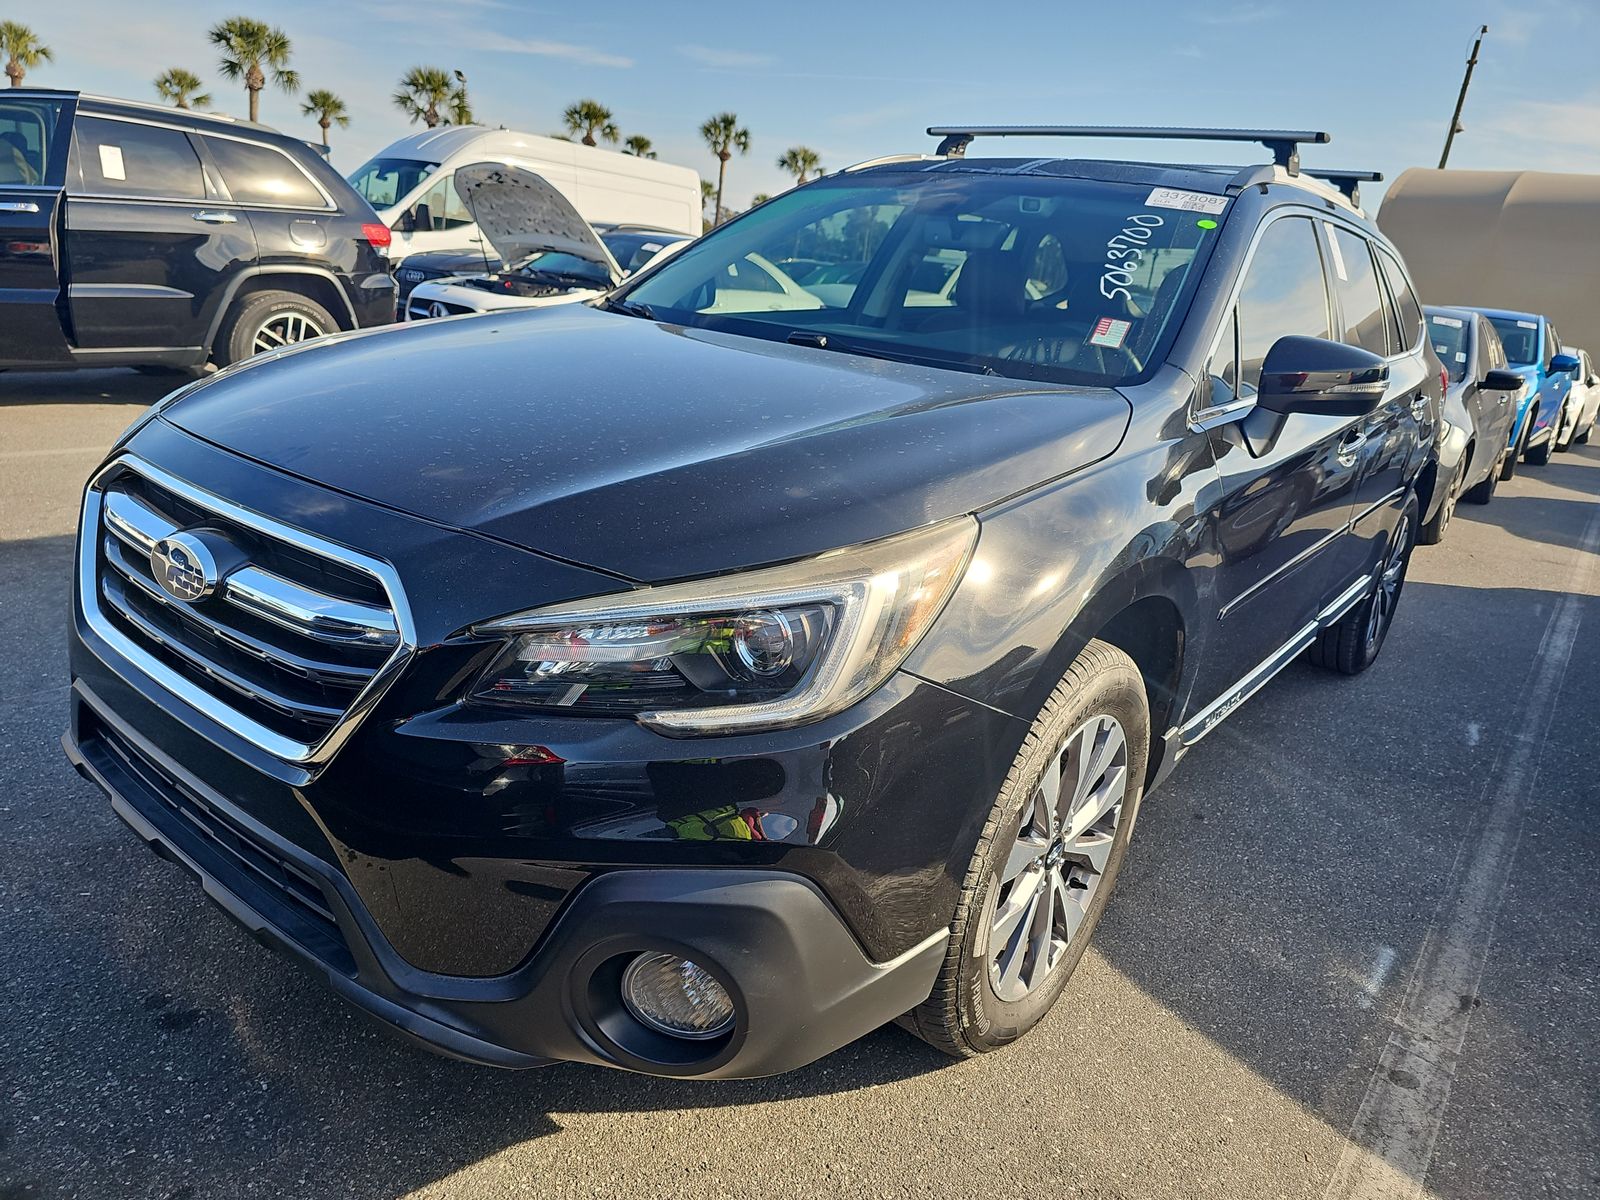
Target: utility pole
1466	80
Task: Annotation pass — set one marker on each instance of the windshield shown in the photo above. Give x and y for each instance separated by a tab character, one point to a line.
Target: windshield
385	182
1449	337
1035	277
633	248
553	262
1520	337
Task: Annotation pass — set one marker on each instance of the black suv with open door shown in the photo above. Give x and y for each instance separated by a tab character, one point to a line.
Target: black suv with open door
153	237
693	680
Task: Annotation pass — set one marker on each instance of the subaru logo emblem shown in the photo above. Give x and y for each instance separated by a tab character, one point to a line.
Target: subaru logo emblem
183	567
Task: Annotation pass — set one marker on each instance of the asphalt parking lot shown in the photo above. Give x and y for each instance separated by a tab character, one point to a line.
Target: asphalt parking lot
1355	950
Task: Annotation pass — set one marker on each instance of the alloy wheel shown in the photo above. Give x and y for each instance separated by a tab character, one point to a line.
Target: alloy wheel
284	329
1387	596
1060	850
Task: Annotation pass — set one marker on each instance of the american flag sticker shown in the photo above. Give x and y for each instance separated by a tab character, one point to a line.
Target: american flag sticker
1109	331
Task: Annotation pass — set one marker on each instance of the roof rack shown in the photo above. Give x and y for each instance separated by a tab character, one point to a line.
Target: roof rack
1348	182
1284	144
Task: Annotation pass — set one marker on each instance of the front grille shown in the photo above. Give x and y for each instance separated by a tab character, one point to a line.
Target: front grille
421	310
296	636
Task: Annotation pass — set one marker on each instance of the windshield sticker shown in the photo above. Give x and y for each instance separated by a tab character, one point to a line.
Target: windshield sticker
1198	202
1124	253
1461	356
1338	255
1453	322
111	163
1527	324
1110	331
1206	224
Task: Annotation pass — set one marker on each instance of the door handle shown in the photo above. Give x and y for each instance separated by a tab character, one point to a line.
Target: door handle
1350	447
1419	407
217	218
18	206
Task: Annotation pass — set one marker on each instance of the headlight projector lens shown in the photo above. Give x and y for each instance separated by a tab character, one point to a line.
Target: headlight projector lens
677	997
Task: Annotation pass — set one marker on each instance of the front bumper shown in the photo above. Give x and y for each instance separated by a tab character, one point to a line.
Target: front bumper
801	982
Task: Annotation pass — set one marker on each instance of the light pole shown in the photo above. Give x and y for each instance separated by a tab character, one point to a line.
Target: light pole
1466	80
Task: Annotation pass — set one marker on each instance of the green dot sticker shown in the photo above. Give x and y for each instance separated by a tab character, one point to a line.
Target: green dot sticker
1206	224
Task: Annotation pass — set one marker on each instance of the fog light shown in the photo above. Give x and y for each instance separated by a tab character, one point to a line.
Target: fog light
675	996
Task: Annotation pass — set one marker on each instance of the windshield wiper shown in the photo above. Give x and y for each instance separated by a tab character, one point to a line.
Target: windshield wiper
823	341
630	308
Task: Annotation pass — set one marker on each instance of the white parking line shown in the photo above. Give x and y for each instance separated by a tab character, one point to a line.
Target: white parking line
1391	1141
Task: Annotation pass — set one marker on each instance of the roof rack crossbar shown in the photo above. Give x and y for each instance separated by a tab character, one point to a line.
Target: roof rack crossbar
1283	144
1348	182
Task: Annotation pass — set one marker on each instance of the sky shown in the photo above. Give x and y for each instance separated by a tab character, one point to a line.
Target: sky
858	80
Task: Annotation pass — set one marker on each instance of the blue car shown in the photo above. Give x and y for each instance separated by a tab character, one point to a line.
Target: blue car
1534	349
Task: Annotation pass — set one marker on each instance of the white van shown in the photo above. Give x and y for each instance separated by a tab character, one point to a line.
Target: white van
410	183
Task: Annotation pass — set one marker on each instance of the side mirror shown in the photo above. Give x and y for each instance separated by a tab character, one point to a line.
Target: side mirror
1314	375
1503	381
407	222
1564	362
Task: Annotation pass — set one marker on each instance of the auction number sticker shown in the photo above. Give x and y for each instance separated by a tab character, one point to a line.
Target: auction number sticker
1527	324
1198	202
1110	331
1452	322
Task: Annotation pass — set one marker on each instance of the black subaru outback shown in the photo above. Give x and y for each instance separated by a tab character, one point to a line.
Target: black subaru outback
163	238
694	681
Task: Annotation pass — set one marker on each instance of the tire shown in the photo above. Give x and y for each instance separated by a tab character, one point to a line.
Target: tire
1582	439
1352	645
1483	491
1508	466
1432	533
266	320
1539	455
989	993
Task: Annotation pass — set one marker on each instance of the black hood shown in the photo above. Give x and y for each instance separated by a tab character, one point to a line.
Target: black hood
647	450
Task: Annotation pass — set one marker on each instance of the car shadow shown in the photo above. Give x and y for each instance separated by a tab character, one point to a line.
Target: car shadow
107	385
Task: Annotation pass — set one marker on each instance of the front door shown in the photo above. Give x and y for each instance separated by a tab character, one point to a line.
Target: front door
149	243
33	158
1288	482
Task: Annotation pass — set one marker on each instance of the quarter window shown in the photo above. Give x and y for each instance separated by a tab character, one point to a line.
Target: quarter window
119	158
1407	309
1355	281
261	175
1284	293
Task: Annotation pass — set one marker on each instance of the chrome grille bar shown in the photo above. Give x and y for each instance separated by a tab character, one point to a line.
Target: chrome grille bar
269	596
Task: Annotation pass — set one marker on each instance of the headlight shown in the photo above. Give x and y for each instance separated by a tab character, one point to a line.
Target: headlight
766	649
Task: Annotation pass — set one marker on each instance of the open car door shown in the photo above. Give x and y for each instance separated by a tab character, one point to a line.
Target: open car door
34	138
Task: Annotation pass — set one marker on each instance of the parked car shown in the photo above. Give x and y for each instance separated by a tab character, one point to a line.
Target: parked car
409	183
1480	409
1534	349
691	688
163	238
1583	404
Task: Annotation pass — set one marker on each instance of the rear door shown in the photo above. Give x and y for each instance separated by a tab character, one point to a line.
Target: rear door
290	212
1492	411
33	166
150	245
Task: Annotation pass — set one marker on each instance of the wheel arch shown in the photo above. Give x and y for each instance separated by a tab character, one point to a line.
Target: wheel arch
314	283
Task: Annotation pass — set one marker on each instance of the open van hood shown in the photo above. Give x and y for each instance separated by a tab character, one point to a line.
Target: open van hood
521	215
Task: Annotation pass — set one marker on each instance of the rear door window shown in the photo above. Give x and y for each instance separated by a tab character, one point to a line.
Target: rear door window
261	175
440	208
1355	282
1284	293
1407	310
120	158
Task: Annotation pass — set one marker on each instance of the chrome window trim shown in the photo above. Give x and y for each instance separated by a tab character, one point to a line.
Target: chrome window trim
189	130
309	754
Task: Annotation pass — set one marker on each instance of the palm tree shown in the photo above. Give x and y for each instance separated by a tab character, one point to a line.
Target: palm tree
328	110
590	117
724	135
760	198
23	50
422	91
249	50
800	161
182	88
460	107
639	146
